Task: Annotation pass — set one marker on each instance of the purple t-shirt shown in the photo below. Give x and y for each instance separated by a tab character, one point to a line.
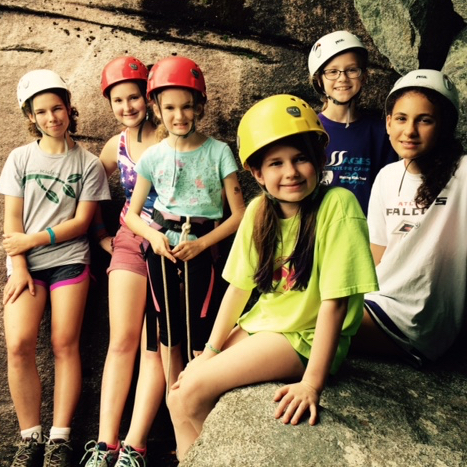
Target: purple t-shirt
356	154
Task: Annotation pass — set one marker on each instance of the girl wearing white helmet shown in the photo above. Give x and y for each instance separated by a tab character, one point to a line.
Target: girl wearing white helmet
417	220
51	188
123	83
358	145
305	247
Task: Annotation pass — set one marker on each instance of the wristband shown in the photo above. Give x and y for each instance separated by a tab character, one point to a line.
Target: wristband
52	236
210	347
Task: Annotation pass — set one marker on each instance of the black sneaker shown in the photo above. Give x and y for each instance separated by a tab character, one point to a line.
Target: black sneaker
57	453
30	453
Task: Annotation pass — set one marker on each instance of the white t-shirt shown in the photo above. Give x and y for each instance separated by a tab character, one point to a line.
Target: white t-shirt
52	186
423	272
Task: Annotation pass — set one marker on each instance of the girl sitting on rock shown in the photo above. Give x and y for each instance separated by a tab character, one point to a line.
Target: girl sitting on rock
417	221
305	247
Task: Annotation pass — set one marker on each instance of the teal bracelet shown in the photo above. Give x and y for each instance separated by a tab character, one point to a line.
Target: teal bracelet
210	347
53	239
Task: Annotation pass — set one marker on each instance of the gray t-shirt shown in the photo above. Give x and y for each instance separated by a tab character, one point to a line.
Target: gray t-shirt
52	186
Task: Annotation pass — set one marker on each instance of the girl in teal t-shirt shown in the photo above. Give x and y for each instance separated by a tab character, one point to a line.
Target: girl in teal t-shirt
305	248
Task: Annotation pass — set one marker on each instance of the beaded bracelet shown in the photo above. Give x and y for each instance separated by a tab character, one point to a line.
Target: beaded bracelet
53	239
210	347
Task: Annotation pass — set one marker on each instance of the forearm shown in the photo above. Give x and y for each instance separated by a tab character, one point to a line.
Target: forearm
231	308
222	231
328	328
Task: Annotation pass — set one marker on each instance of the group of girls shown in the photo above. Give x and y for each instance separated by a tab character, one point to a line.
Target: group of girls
303	243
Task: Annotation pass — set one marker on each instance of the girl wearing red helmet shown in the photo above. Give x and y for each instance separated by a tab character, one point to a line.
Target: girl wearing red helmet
190	172
52	187
123	83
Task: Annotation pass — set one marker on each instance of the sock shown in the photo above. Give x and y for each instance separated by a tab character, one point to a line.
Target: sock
60	433
141	451
37	430
111	447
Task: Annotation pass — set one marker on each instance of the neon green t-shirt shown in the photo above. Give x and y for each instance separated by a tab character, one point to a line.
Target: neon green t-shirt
343	266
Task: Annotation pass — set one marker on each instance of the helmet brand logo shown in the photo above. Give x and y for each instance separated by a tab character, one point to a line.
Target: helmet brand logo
339	41
294	111
133	66
195	73
421	77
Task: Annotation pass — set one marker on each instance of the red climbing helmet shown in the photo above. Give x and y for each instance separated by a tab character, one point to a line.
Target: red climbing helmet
176	72
122	69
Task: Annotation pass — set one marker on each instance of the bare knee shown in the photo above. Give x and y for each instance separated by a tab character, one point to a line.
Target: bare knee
188	399
20	350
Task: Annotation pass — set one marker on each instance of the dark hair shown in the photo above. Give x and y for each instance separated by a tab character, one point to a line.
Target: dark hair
64	96
440	164
267	229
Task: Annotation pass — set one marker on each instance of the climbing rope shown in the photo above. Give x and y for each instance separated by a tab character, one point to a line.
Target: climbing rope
186	227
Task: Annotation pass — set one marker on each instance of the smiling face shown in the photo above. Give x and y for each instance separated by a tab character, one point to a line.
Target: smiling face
288	175
128	104
343	88
176	110
51	114
413	126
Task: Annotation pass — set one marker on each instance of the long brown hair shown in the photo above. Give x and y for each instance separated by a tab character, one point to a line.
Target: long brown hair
440	164
267	234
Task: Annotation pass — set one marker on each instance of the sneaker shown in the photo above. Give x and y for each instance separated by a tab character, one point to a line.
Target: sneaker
128	457
101	456
30	453
57	453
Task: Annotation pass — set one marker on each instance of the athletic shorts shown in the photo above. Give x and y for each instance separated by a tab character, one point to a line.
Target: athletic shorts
61	276
383	321
127	253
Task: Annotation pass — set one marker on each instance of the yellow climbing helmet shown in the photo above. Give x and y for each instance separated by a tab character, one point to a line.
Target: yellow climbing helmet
272	119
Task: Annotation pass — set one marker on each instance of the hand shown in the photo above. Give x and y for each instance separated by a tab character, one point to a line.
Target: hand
106	244
191	366
18	281
16	243
187	250
295	399
160	245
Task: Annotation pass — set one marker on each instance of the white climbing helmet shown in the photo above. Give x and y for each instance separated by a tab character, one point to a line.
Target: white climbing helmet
37	81
431	79
329	46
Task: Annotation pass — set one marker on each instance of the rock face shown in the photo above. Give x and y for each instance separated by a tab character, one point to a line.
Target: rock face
374	414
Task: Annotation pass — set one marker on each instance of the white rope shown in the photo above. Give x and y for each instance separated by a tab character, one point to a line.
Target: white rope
186	227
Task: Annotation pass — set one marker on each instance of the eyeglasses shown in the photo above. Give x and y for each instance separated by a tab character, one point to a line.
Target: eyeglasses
351	73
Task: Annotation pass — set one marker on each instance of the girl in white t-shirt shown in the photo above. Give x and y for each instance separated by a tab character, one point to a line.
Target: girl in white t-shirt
51	187
305	247
417	221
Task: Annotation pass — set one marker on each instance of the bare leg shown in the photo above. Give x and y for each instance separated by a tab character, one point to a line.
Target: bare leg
22	320
149	394
68	305
261	357
176	362
127	298
371	339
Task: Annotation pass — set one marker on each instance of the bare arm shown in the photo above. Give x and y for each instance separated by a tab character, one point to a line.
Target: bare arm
20	278
295	399
18	242
189	249
377	251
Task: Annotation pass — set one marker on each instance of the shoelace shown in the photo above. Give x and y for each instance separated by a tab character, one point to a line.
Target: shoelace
131	458
23	453
52	455
96	454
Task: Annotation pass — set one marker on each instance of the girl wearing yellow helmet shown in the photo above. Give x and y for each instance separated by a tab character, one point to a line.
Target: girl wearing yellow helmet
305	248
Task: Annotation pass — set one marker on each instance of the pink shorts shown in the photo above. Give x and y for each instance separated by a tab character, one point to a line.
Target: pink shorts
127	253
